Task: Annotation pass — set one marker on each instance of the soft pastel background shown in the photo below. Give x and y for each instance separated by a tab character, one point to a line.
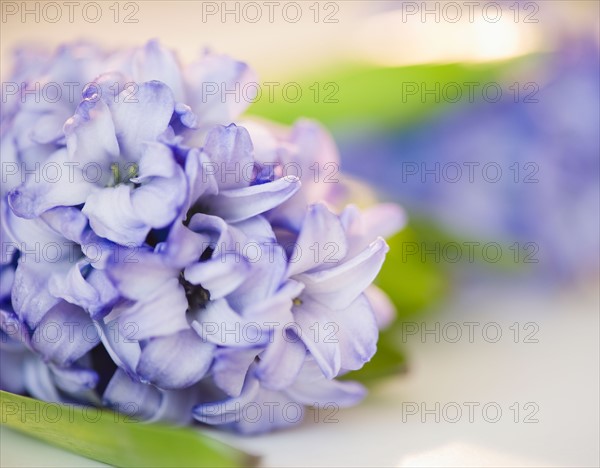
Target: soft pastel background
370	54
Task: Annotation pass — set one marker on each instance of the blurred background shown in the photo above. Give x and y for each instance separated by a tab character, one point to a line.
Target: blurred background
482	120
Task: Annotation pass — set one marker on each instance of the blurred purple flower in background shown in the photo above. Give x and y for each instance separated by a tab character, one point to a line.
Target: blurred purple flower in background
193	273
525	171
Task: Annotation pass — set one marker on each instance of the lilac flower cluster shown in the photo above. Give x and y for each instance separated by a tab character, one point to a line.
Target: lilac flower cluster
191	275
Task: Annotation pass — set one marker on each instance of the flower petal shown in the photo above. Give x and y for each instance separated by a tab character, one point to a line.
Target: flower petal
316	328
91	140
219	276
67	221
230	151
201	180
31	298
239	204
155	62
124	351
321	243
63	335
227	411
281	362
157	203
74	380
161	313
208	79
141	114
38	381
383	307
94	295
56	184
11	370
383	220
230	368
339	286
259	292
219	324
138	272
311	389
175	361
137	400
113	216
356	332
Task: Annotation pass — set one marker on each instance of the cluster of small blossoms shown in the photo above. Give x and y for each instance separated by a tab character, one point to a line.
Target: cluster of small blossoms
164	258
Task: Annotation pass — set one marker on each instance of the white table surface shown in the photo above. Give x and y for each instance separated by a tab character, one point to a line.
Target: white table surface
559	374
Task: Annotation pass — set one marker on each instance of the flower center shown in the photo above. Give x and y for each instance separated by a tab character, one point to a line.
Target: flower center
122	177
196	295
297	301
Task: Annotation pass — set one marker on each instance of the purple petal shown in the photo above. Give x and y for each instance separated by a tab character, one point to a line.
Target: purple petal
184	246
239	204
208	79
65	334
74	380
381	220
124	351
259	291
157	161
270	410
202	181
221	275
316	332
142	114
161	313
55	185
274	307
11	370
317	156
48	127
155	62
175	361
313	389
339	286
230	368
356	332
219	324
67	221
113	216
158	202
91	139
138	273
106	293
38	380
31	298
7	277
383	308
137	400
321	243
230	150
281	362
227	411
93	295
15	334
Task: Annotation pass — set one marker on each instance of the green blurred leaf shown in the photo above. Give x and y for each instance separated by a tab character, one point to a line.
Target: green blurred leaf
368	96
412	284
114	438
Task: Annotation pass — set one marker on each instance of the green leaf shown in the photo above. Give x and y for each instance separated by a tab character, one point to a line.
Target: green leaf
413	285
114	438
364	96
